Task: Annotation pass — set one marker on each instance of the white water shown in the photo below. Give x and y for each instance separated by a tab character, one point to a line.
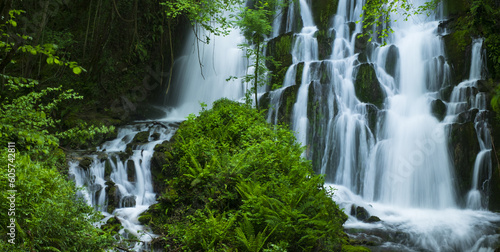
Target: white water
134	188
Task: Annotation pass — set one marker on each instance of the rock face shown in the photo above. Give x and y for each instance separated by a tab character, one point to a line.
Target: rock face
161	168
438	109
392	62
367	86
280	48
463	147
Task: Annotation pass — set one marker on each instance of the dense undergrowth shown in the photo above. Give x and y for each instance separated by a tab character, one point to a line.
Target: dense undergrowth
238	183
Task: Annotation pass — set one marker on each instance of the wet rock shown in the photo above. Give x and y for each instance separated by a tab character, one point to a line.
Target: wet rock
102	156
359	212
85	163
392	61
445	93
113	225
129	201
373	219
280	49
155	136
458	57
467	116
438	109
139	139
463	146
322	12
162	165
108	169
367	86
95	187
264	102
131	174
325	43
288	99
113	196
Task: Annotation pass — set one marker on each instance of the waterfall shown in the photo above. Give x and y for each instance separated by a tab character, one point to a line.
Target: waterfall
118	182
202	73
391	155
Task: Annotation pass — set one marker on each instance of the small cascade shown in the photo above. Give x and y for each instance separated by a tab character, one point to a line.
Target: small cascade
118	180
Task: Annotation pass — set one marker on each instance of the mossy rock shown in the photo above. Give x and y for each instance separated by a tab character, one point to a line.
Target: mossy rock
108	169
288	99
140	138
458	54
373	219
112	226
438	109
323	11
367	86
131	174
264	101
463	147
351	248
161	163
113	196
359	212
325	43
85	163
280	49
455	7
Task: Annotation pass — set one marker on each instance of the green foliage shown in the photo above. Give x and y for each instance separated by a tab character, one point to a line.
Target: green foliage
204	13
48	215
255	23
241	184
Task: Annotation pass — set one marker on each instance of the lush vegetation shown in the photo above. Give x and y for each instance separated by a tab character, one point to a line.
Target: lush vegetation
237	183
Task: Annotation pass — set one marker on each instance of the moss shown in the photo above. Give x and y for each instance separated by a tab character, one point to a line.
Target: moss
457	55
280	49
367	86
351	248
325	43
288	99
323	11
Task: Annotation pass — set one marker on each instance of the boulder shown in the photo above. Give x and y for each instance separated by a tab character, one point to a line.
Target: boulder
131	174
392	61
359	212
128	201
367	86
438	109
85	163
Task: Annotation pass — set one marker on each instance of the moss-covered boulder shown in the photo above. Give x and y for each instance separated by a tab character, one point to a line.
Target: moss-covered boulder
392	61
463	146
438	109
288	99
367	86
325	43
113	196
139	139
112	226
323	11
108	169
280	49
458	53
359	212
373	219
162	165
131	174
85	163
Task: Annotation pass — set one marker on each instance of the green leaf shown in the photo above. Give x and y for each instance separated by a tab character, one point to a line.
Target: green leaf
77	70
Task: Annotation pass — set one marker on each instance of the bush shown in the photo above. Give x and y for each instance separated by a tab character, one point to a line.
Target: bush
48	215
241	184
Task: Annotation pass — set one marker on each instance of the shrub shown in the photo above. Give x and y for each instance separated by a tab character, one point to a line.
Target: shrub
241	184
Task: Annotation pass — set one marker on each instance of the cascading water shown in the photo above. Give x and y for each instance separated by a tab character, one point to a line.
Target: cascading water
397	166
119	184
202	73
